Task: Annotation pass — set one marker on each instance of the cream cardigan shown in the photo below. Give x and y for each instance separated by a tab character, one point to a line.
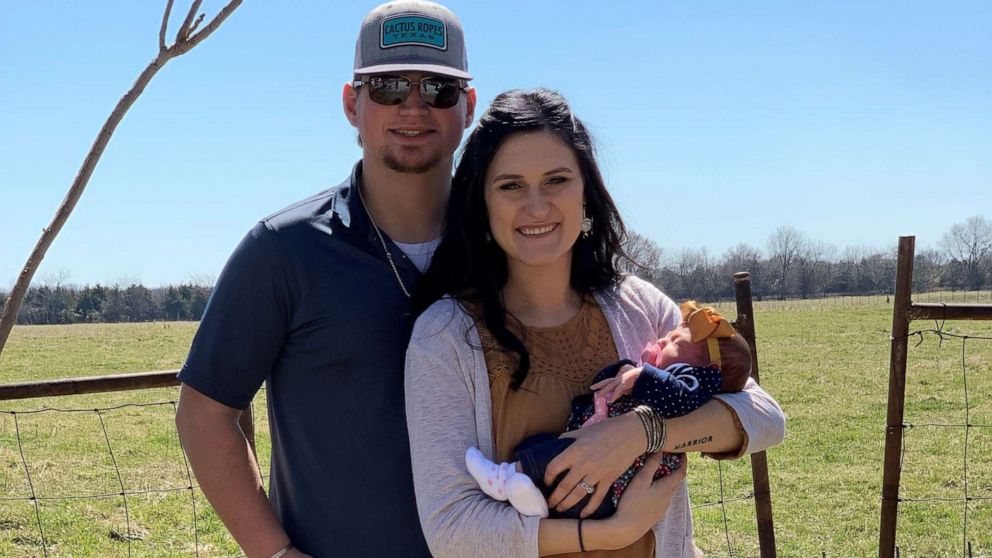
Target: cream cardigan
448	407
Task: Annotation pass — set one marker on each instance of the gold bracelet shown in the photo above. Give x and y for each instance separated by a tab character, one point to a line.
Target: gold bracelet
282	551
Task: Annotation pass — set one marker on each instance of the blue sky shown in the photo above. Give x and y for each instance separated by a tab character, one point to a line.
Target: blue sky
854	122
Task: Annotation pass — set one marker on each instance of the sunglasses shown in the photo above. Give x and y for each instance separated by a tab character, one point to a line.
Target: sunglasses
437	92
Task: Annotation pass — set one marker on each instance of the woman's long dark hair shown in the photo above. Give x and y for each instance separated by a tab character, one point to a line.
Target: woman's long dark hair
469	265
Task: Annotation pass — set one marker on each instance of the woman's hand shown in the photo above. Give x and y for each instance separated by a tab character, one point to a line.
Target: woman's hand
645	501
600	454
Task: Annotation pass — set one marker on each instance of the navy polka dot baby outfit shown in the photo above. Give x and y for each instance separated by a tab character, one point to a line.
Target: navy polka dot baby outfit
672	392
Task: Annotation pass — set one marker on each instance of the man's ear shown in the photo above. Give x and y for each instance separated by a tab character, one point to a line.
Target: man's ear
349	101
469	107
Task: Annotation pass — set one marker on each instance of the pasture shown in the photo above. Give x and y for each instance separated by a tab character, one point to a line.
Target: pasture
826	361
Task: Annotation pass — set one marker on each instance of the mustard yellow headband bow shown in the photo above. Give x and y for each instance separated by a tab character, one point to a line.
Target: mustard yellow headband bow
706	323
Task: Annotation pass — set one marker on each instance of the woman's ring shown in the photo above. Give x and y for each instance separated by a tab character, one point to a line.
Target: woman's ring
589	488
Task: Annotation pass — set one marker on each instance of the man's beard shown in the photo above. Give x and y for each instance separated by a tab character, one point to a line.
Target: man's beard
410	167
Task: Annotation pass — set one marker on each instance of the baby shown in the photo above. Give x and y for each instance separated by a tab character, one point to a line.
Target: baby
680	372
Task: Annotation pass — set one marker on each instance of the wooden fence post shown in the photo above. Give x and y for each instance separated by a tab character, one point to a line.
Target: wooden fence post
897	397
759	460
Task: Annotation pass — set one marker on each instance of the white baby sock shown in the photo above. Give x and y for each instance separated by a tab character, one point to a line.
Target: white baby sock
490	476
502	482
525	497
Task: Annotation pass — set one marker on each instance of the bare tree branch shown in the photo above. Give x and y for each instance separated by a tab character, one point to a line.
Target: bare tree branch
196	23
969	245
784	246
165	25
195	39
643	255
184	31
9	314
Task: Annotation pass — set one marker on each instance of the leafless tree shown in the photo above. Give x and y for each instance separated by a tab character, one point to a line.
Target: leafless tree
970	244
863	269
784	246
742	257
848	268
186	38
694	271
645	253
927	268
813	266
57	279
204	280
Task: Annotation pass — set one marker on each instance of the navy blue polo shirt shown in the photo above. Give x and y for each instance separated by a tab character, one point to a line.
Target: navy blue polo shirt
309	305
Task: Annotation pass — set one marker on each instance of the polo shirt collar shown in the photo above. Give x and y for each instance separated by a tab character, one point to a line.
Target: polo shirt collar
361	224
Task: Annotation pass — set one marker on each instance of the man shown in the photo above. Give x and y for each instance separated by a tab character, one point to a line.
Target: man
314	302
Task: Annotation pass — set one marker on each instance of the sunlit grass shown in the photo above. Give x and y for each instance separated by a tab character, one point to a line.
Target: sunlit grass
826	361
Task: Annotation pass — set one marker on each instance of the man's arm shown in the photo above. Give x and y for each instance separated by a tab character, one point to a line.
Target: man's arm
228	473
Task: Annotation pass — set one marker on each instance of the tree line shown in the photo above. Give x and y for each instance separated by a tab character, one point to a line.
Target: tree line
66	304
793	265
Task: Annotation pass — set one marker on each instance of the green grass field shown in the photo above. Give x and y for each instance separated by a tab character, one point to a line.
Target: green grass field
825	361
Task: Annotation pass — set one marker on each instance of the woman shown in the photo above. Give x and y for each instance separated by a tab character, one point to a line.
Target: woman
533	307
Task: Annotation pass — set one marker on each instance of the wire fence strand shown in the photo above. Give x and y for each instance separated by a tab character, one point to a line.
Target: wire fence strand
27	473
967	498
108	416
123	491
725	504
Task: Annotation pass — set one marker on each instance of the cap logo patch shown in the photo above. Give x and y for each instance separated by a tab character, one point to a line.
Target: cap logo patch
414	30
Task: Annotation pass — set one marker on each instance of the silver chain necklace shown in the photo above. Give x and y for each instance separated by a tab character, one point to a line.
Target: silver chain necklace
382	241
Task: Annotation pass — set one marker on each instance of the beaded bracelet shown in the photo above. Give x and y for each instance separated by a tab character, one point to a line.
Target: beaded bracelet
655	427
644	413
662	426
282	551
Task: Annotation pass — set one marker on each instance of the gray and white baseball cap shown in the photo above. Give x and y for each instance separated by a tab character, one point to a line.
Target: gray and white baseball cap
411	35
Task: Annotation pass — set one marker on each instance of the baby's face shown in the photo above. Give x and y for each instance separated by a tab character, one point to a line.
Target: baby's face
677	346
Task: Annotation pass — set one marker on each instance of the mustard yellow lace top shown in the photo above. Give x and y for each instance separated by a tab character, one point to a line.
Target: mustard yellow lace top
563	362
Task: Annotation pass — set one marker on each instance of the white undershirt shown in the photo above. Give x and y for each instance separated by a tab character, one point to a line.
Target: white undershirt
419	253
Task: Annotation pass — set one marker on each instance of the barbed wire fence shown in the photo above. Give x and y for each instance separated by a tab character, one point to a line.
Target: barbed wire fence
911	448
128	535
87	476
916	436
859	301
35	498
738	492
724	507
34	482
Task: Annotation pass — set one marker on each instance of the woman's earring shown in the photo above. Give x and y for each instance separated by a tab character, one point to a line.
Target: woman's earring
586	226
489	236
